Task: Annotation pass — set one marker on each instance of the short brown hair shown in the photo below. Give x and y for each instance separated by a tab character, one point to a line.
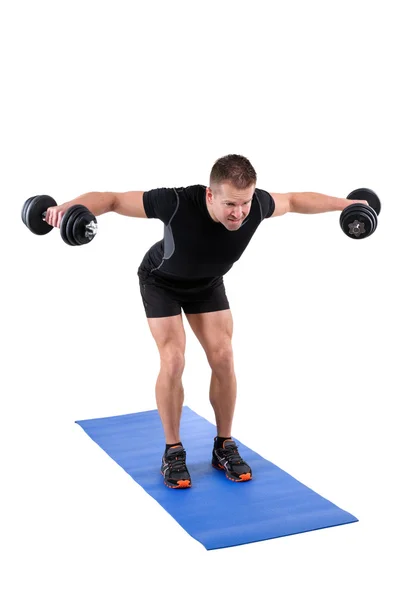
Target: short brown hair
235	169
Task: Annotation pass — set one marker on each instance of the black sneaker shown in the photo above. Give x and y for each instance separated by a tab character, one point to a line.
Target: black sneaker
229	460
174	469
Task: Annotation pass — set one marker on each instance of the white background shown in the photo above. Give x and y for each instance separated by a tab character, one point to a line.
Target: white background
123	95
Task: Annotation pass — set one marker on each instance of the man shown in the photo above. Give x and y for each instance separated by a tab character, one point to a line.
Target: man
206	230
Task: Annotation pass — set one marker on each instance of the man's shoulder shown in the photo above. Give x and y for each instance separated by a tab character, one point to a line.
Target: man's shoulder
191	190
266	201
262	193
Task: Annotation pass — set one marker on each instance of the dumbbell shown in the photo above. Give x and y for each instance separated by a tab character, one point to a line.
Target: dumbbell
78	225
358	220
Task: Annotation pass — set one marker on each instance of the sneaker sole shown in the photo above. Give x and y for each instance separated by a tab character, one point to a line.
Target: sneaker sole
243	477
182	484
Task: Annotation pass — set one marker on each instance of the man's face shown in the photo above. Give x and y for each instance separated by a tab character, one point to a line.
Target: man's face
228	205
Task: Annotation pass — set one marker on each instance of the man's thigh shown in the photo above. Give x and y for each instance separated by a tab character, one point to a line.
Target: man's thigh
214	330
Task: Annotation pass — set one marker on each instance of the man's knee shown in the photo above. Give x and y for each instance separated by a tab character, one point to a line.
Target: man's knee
221	358
172	360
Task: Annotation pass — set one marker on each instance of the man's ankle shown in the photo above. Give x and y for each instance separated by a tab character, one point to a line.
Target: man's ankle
219	441
168	446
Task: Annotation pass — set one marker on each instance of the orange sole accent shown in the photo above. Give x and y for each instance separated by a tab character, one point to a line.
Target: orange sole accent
183	483
243	477
180	485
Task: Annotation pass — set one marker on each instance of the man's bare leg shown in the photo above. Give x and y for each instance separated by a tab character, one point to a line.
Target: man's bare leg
170	338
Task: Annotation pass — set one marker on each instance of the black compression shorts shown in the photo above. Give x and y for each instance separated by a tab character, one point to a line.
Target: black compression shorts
168	301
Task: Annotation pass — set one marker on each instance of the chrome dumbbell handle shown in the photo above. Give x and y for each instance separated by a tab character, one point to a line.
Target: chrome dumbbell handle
91	230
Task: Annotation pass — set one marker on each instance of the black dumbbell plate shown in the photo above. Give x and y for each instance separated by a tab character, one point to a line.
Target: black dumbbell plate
358	221
32	214
25	208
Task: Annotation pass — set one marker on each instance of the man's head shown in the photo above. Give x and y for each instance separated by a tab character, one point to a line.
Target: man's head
231	187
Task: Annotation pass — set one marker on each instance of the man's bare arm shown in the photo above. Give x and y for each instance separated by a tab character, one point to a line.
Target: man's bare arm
129	204
309	203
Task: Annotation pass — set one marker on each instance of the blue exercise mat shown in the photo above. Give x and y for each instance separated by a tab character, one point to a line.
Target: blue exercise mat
215	511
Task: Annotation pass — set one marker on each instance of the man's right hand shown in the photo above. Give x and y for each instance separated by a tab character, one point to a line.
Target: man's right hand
54	214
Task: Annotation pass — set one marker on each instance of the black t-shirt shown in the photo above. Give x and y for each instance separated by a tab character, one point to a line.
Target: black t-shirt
195	248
